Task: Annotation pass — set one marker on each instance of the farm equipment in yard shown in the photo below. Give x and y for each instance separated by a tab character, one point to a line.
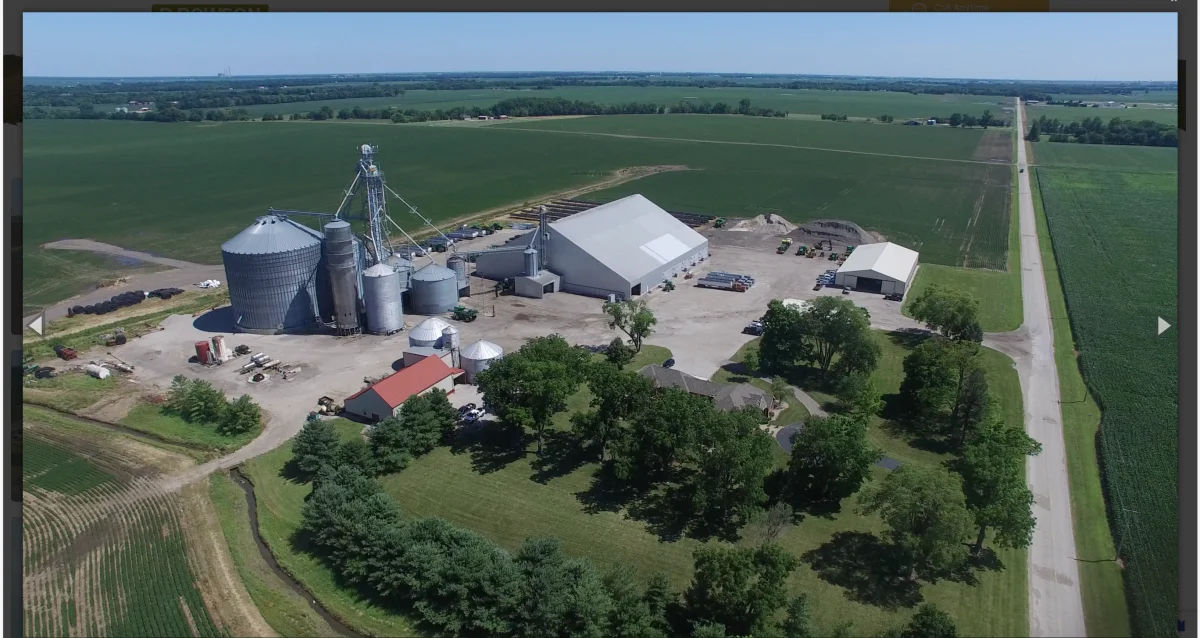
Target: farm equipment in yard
668	285
719	223
782	249
833	256
812	254
326	405
64	353
722	284
463	313
241	351
802	250
116	338
29	368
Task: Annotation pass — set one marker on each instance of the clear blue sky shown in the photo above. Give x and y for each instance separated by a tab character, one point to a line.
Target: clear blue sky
1064	46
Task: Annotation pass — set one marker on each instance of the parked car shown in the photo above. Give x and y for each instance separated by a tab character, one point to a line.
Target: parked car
474	415
755	328
894	297
845	291
669	363
817	287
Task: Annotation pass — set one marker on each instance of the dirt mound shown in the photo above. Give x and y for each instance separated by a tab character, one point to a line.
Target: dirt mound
768	225
838	231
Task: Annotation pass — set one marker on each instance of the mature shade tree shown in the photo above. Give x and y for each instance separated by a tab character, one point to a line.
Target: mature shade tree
782	344
944	381
617	396
951	312
429	418
781	391
997	496
971	405
243	415
928	384
859	355
738	587
858	396
315	444
528	387
659	435
751	361
930	622
831	459
798	623
833	326
926	514
768	525
619	354
1035	132
345	515
708	630
732	457
633	317
956	119
629	616
986	119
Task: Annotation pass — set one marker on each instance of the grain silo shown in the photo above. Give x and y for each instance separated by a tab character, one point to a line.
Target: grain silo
271	268
428	333
403	266
476	358
450	342
381	297
434	290
459	265
342	262
531	262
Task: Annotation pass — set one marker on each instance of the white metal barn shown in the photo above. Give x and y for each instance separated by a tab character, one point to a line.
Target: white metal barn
884	268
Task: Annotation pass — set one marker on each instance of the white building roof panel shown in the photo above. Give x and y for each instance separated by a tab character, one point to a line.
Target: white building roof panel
885	261
631	236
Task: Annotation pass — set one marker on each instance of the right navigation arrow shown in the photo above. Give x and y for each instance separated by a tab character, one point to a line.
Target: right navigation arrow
1162	325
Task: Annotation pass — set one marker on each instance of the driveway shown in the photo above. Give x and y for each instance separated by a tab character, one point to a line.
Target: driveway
1055	603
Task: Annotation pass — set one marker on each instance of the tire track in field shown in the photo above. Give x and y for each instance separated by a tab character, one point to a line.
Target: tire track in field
737	143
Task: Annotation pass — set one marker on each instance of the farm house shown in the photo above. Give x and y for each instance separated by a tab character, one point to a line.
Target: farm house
884	268
623	248
383	399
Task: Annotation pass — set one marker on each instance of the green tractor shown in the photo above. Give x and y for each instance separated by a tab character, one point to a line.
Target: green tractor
802	250
464	314
668	286
497	226
719	223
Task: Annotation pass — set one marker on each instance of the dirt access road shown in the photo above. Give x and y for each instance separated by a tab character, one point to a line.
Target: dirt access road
1055	603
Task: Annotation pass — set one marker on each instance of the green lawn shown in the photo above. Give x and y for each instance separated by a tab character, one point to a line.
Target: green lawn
1105	606
153	420
285	610
68	392
303	166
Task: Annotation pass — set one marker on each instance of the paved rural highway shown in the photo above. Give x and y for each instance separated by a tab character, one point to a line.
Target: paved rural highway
1055	604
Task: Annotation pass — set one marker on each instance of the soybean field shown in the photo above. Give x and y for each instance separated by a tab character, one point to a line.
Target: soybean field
99	558
1114	238
1126	159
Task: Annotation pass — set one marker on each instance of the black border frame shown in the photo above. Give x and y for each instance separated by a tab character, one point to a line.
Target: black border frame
1187	240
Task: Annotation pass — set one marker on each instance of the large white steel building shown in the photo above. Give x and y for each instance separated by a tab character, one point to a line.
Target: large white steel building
885	268
623	248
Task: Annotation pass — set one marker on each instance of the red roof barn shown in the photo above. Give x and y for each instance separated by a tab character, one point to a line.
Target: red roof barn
384	398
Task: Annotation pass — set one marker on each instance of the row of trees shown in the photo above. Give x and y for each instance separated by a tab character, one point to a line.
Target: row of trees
424	422
199	402
834	117
228	92
1093	130
970	121
722	108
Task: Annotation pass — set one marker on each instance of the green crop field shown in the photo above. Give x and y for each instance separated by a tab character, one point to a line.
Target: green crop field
1128	159
1135	97
180	190
1074	114
886	139
1114	237
851	103
92	570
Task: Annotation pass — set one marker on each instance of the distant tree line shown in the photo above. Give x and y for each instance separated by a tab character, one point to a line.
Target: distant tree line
970	121
230	92
1093	130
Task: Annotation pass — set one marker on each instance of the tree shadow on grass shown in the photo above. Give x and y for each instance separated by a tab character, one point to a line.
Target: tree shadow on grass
666	510
909	338
607	493
866	567
493	445
291	471
562	454
740	373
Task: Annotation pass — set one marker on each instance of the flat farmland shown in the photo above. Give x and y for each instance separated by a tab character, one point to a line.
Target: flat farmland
1075	114
894	139
181	190
1129	159
851	103
1114	237
1139	97
95	564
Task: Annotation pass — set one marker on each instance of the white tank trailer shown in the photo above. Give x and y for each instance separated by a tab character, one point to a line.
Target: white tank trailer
341	261
100	372
381	296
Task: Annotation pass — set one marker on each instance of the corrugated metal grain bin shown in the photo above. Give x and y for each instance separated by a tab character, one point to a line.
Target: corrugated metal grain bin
341	262
428	333
404	267
434	290
476	358
459	266
381	296
272	269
